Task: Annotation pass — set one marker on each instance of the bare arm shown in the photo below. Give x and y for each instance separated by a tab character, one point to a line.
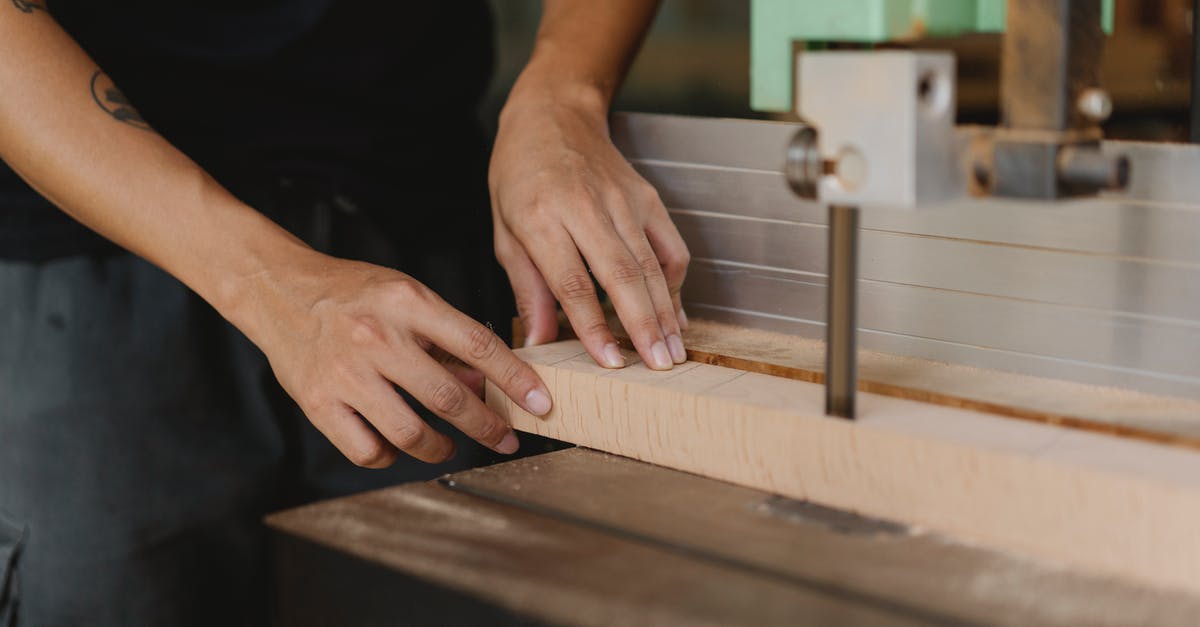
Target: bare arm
338	334
567	206
66	130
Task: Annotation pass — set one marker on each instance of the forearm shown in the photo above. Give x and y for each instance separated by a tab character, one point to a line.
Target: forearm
340	335
66	131
582	52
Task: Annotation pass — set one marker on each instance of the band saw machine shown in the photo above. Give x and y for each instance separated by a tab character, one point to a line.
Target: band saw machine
938	374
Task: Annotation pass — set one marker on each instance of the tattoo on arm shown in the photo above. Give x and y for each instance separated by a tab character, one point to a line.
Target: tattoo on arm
113	102
28	6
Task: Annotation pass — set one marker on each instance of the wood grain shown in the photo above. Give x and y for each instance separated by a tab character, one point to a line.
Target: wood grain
1113	506
1126	413
797	541
544	570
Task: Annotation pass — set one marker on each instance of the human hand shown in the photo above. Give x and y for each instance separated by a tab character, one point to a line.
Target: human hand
566	206
342	335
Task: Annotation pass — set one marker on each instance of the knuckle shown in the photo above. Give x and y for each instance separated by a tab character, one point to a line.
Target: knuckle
322	403
595	328
576	287
525	306
676	267
683	259
625	272
406	436
365	331
373	455
447	398
648	194
482	344
651	268
406	291
513	374
315	405
599	217
544	208
541	225
504	249
490	432
542	216
344	371
648	324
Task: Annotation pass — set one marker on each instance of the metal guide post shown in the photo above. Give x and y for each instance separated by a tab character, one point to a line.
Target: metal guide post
883	137
841	318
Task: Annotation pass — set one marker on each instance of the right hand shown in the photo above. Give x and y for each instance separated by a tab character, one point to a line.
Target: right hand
567	207
341	334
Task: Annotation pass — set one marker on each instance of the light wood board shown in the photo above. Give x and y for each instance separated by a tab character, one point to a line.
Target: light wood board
1103	409
1103	504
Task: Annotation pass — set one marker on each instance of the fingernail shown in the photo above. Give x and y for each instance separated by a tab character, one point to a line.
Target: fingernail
662	358
509	444
537	403
678	353
683	319
613	357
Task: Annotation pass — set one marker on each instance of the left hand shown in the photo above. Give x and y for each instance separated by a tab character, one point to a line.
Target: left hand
567	206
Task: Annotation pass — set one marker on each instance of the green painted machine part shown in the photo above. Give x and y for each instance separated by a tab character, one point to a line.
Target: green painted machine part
776	25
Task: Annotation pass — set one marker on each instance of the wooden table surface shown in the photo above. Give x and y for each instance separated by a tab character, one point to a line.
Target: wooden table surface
584	538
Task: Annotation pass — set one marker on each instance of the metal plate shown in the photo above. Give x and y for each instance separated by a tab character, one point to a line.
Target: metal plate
1103	291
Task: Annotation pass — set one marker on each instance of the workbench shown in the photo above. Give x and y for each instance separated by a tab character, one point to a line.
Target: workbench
579	537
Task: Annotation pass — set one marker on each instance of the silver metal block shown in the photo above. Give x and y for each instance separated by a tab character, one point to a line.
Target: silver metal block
887	119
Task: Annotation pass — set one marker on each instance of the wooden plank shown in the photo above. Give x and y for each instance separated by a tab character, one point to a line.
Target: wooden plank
1108	505
1115	411
797	540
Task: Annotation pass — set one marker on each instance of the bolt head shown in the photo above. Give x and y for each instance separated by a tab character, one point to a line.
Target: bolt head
803	166
1095	104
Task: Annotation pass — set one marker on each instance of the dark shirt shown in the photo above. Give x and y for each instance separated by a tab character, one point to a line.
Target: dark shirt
374	99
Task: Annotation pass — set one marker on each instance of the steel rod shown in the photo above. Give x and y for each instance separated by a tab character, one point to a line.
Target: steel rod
841	318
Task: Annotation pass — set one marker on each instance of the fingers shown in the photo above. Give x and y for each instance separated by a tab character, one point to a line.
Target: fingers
475	344
368	394
535	302
673	254
569	280
379	403
656	284
470	377
445	395
345	429
625	278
